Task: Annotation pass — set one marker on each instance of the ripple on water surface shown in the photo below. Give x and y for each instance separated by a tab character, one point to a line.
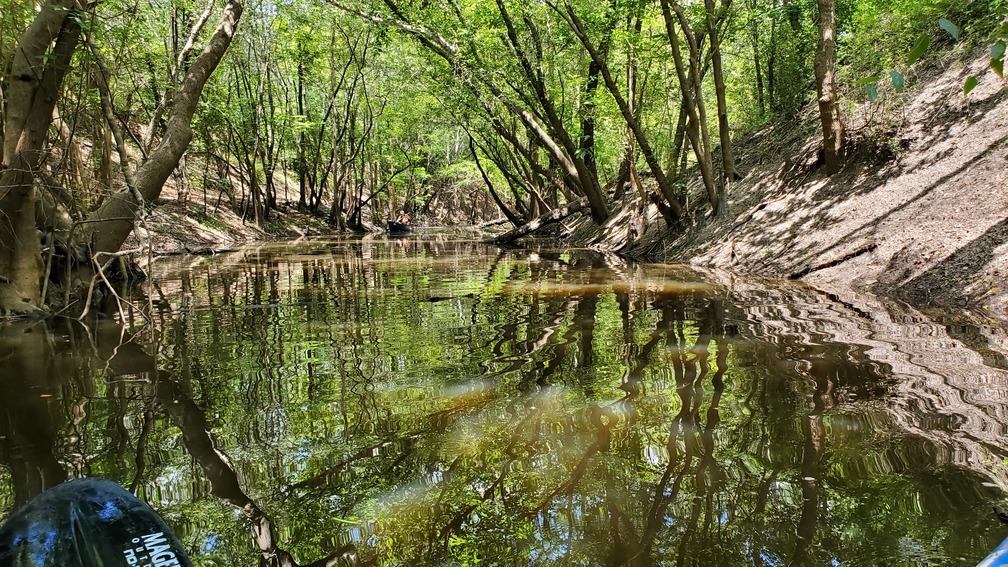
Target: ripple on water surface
436	401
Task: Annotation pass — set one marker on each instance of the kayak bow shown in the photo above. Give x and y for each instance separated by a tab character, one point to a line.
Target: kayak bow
88	522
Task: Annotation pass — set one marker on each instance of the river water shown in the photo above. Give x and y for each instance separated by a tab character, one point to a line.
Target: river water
431	401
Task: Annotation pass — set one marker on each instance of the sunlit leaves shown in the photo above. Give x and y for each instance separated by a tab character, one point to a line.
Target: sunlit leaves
970	84
897	80
923	42
873	92
997	57
949	27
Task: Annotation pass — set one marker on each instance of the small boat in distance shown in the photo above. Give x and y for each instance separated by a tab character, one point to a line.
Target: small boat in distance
398	228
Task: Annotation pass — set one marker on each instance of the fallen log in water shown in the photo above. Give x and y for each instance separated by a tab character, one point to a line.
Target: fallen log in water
556	215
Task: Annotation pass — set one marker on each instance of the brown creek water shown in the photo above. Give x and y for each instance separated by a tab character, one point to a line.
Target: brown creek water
433	401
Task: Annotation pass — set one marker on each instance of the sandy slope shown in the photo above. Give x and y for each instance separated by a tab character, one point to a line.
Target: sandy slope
919	214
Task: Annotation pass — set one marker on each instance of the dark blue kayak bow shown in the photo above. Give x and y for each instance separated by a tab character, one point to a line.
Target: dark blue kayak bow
88	523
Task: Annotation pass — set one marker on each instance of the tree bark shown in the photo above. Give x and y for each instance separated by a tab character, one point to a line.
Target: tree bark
628	116
302	159
557	139
493	193
587	145
2	106
771	66
649	156
754	31
35	81
825	72
696	127
724	133
27	70
793	14
113	221
553	136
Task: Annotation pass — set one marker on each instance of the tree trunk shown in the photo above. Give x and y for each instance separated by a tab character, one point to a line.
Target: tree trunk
793	12
587	146
493	193
105	160
724	133
35	81
771	65
302	159
696	128
678	143
628	116
556	139
554	136
754	30
825	72
113	221
2	106
551	217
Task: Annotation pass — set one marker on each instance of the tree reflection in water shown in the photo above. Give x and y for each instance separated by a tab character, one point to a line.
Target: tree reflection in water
431	403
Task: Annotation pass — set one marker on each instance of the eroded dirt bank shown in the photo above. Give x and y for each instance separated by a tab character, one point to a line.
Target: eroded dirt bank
919	213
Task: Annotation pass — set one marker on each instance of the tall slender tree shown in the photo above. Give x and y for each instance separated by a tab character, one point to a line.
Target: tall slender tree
724	133
825	72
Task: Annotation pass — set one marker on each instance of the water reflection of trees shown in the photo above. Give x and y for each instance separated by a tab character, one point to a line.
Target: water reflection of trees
29	420
420	409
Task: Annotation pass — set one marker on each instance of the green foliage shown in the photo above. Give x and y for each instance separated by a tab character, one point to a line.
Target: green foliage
341	103
897	79
969	85
997	57
922	44
949	27
978	19
878	34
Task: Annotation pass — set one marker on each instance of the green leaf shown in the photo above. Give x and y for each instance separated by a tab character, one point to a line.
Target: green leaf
998	50
970	84
951	28
872	92
923	42
997	65
866	80
897	80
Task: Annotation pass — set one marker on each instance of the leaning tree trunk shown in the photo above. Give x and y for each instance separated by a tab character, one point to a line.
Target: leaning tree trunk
825	72
109	226
35	81
724	133
696	125
551	217
555	136
664	185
